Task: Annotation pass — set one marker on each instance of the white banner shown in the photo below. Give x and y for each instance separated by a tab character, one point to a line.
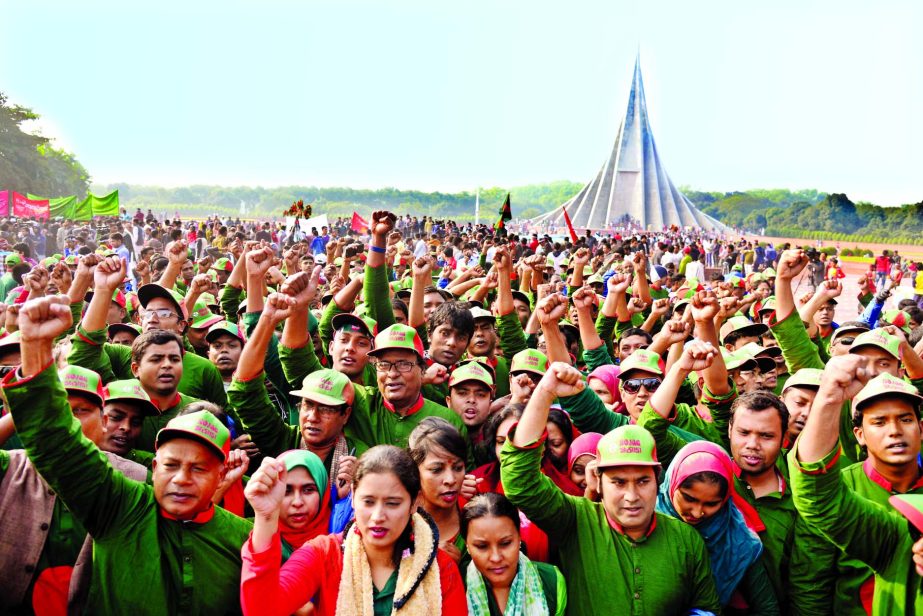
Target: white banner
317	222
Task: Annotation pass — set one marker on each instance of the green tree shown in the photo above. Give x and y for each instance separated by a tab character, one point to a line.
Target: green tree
29	163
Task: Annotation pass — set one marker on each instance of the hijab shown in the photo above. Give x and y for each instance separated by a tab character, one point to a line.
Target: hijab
318	525
609	375
584	444
732	546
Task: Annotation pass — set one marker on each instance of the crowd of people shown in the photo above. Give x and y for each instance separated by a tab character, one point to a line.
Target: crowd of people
424	417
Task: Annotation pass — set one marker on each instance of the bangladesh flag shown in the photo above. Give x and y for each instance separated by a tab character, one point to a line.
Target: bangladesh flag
505	214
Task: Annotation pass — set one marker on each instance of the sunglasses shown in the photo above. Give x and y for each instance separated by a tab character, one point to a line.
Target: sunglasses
845	341
633	386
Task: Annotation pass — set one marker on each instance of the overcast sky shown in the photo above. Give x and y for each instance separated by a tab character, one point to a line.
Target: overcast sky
440	96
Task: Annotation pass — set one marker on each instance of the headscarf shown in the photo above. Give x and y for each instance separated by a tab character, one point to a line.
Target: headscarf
319	523
609	375
584	444
527	595
732	546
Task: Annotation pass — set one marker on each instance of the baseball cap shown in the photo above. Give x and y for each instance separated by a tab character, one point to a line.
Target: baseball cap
354	323
202	316
10	342
472	371
83	381
743	325
225	327
398	336
148	292
641	359
522	297
118	297
898	318
886	385
769	305
130	390
626	446
223	265
13	259
529	360
736	359
320	259
842	330
200	426
756	350
878	338
124	327
326	386
806	377
480	313
911	506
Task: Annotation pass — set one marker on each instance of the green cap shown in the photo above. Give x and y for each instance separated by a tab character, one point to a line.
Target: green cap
595	279
565	324
641	359
149	291
626	446
757	351
124	327
738	359
70	260
529	360
11	342
759	355
878	338
308	460
202	316
898	318
223	265
80	380
201	426
472	371
769	304
355	324
843	330
522	297
480	313
130	390
225	327
208	299
806	377
326	386
13	259
744	325
769	273
398	336
911	505
49	262
886	385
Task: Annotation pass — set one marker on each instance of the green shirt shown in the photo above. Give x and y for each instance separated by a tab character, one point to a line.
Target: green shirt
200	379
864	530
852	574
273	436
143	562
666	572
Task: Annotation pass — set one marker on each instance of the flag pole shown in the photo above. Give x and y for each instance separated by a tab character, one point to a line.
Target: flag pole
477	207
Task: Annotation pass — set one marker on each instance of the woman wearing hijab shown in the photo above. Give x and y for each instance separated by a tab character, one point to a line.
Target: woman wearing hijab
604	381
582	451
305	512
387	562
500	579
698	489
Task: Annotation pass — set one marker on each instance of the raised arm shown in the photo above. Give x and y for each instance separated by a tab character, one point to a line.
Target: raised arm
549	312
422	269
177	253
697	355
704	307
791	263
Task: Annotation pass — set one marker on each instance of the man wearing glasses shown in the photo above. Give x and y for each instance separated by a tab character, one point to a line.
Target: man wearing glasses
160	310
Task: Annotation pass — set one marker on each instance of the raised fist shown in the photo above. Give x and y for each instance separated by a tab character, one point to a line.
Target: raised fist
44	318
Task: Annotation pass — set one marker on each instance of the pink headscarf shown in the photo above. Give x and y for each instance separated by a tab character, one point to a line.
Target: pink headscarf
609	375
584	444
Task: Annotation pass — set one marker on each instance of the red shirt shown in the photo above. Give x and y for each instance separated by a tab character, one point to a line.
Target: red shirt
314	571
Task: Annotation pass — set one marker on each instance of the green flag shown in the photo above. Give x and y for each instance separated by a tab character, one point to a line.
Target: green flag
506	213
62	206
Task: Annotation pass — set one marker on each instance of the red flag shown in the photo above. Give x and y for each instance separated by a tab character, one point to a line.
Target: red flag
359	224
29	208
570	227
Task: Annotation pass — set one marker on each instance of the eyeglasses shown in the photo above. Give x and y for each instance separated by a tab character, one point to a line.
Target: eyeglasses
321	409
845	341
402	366
162	313
633	386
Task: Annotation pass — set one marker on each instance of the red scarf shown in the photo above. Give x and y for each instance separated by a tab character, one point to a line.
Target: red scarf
316	527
